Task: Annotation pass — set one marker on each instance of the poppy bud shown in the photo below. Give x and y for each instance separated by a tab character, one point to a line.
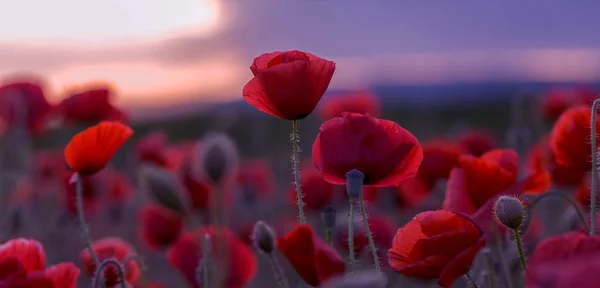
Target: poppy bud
163	187
328	217
369	279
354	183
263	237
509	211
218	157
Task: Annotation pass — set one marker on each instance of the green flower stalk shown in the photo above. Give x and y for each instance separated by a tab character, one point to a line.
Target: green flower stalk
263	239
81	217
295	138
510	211
97	281
328	217
594	171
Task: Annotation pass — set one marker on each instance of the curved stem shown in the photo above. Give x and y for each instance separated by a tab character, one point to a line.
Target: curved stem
295	162
562	195
503	261
328	236
279	276
101	268
351	236
363	213
520	248
140	263
80	214
594	166
468	275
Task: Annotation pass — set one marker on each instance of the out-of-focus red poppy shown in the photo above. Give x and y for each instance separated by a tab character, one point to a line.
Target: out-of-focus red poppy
439	157
185	254
382	229
89	151
570	136
24	99
384	152
90	106
180	155
318	193
255	177
313	259
159	226
22	264
410	193
89	193
556	100
541	157
436	244
198	191
153	148
475	181
288	84
476	142
560	251
112	248
47	164
361	102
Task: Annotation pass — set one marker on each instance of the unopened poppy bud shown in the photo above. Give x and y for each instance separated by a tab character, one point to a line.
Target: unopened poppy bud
218	157
163	187
369	279
328	217
509	211
263	237
354	183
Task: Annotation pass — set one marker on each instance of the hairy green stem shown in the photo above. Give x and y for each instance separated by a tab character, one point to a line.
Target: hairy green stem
473	283
594	167
100	268
520	248
80	214
565	197
351	261
279	275
363	214
140	263
328	236
295	163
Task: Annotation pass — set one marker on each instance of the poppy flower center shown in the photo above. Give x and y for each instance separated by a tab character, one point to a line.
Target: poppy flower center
287	57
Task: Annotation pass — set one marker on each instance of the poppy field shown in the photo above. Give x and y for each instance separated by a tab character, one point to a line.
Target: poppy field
365	203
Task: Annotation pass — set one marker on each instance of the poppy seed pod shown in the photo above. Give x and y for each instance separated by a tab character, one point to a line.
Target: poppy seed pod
509	211
217	157
328	217
354	183
369	279
163	187
263	238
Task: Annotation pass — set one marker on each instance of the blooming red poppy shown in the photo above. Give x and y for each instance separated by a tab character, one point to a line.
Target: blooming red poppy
556	100
318	193
185	254
560	251
384	152
159	226
24	99
198	191
313	259
540	157
476	142
436	244
89	151
112	248
382	228
439	157
288	84
362	102
90	106
255	177
153	148
22	264
570	136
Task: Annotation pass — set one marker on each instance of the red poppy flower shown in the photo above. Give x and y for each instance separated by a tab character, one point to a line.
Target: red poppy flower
570	138
89	151
159	226
477	142
152	148
30	253
90	106
255	177
318	193
439	157
382	229
436	244
313	259
288	84
64	275
24	99
198	191
361	102
384	152
560	251
411	193
541	157
112	248
559	99
185	254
